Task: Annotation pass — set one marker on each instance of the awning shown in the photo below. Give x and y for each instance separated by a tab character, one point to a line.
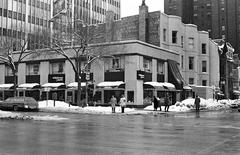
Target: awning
54	85
6	86
236	92
74	85
187	88
164	86
174	75
111	84
29	86
154	85
169	86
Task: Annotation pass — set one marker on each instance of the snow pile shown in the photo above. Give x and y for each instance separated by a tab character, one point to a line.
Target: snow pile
65	107
11	115
188	105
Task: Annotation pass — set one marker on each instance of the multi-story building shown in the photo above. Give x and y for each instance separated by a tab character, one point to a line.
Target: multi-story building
219	17
20	19
89	11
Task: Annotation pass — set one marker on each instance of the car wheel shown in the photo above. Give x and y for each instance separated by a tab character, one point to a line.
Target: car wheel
15	108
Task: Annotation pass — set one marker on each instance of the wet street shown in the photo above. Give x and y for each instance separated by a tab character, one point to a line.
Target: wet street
209	133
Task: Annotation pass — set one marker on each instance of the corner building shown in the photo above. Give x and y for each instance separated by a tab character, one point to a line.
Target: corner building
154	53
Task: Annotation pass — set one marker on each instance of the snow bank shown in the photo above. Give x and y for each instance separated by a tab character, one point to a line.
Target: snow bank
11	115
188	105
65	107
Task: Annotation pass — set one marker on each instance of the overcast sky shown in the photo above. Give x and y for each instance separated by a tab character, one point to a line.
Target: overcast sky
130	7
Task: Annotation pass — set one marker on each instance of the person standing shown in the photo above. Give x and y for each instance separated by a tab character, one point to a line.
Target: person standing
155	103
113	103
197	103
167	102
122	103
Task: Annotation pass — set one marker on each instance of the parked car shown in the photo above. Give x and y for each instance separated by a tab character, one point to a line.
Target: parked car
238	107
235	104
19	103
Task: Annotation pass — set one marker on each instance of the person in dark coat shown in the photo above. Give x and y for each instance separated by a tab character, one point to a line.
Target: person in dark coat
197	103
167	102
155	103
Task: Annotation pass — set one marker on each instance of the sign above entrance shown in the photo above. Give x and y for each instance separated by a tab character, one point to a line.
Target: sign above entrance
140	75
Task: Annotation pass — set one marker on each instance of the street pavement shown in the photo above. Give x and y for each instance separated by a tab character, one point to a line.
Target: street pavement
170	133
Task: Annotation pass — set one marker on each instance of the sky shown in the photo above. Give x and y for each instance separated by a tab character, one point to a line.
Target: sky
130	7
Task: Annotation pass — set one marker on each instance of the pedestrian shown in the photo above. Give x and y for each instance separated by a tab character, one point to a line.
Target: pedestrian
155	103
122	103
167	102
197	103
113	102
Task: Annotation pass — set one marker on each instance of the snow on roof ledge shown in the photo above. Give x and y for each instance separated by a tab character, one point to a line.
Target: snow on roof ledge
110	84
53	85
75	84
28	85
6	86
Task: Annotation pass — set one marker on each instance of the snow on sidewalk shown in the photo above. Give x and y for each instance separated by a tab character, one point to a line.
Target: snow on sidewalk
65	107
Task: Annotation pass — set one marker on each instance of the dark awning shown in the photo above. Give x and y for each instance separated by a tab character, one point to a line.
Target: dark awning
174	75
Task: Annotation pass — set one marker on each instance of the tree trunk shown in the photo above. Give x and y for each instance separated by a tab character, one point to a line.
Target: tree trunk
14	83
79	90
78	64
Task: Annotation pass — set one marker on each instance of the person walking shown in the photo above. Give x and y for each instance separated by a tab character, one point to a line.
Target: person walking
113	102
155	103
122	103
197	103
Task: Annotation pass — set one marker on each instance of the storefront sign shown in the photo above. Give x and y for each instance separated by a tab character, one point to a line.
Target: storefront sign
56	78
140	75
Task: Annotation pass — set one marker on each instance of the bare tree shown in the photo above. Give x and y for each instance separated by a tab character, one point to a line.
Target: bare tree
12	53
73	43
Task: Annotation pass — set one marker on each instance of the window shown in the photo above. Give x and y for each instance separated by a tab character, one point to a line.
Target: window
147	64
57	68
223	28
182	59
33	69
191	43
8	71
204	66
182	42
14	15
204	82
191	63
19	16
191	81
10	14
164	35
116	63
204	51
160	67
174	37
